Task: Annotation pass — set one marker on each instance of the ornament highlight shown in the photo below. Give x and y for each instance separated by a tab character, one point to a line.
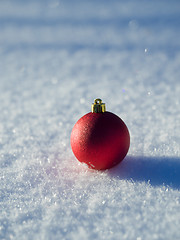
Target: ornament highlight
100	138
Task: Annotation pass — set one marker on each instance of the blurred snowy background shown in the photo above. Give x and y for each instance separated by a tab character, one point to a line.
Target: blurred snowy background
56	57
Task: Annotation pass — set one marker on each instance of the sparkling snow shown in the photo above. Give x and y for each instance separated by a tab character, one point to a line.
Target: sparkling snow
55	58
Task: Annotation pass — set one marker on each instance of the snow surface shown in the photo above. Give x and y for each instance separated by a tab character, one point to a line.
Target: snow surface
55	58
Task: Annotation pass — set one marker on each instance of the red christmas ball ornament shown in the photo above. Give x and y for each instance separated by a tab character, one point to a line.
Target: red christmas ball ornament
100	138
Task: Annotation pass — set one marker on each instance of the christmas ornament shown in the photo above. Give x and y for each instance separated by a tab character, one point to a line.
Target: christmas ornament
100	138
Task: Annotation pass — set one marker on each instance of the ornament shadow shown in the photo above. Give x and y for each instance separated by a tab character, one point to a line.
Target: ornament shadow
156	171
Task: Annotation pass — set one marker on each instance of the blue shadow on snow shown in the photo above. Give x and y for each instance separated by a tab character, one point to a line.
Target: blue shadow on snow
156	171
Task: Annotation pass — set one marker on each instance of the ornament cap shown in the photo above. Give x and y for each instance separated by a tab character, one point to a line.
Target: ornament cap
98	106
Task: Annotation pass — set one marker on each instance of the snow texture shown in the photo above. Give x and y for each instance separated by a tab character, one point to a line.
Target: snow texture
56	57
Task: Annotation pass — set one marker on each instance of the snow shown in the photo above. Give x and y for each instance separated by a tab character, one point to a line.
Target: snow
56	57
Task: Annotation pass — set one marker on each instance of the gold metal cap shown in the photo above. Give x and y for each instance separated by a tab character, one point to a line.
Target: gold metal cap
98	106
